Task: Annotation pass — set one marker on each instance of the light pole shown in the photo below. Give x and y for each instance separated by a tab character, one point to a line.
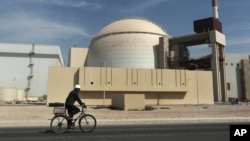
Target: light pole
197	83
104	81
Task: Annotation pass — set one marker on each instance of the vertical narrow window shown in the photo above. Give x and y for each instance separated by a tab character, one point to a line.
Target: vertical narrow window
228	86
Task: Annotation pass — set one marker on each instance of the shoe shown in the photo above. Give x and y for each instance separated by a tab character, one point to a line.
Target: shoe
69	119
71	126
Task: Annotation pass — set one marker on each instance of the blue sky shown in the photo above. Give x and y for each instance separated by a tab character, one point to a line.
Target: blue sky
75	22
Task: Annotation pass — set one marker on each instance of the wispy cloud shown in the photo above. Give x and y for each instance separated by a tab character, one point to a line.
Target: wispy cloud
237	33
65	3
69	3
236	27
239	41
23	27
62	3
144	5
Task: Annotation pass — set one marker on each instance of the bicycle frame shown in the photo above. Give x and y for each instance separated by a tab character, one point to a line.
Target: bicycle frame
82	113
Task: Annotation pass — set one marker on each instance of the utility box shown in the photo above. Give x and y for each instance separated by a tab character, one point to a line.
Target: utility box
207	24
129	101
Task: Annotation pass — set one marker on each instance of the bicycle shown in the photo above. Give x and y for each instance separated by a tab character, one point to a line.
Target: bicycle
60	122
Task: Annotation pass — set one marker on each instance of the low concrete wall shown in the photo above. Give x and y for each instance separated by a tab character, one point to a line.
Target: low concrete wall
161	87
129	101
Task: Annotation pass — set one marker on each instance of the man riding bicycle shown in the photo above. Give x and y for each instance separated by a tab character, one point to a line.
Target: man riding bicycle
70	100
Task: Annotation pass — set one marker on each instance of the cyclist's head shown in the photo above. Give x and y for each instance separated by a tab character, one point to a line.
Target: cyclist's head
77	87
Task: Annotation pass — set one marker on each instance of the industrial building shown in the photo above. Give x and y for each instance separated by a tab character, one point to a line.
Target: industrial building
134	56
24	70
132	62
238	72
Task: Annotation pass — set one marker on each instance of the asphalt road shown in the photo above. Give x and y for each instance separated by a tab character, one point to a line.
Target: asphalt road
168	132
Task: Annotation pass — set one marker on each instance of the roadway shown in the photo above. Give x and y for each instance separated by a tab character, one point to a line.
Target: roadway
166	132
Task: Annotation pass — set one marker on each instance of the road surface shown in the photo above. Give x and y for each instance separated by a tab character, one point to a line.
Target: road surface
166	132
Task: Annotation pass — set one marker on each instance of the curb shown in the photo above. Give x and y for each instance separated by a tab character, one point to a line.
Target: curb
176	120
46	123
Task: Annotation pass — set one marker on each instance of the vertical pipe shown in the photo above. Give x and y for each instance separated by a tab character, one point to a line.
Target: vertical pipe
215	9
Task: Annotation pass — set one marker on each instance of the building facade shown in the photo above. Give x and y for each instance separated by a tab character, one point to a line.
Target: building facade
25	66
245	78
236	73
127	57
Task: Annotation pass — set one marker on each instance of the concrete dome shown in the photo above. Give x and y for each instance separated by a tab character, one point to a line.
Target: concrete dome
132	25
126	43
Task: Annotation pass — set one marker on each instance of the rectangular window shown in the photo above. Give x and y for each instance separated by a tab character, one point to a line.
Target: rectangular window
228	86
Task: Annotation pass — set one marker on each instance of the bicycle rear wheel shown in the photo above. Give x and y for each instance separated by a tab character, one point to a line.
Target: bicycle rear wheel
59	124
87	123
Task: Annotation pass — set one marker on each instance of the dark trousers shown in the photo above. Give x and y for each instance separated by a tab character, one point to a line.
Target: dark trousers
72	110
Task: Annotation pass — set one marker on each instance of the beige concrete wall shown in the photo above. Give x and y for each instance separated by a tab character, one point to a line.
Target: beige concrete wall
61	81
129	101
77	56
118	79
98	85
118	101
201	88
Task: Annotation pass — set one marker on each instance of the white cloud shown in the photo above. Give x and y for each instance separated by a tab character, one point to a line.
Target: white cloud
145	5
67	3
23	27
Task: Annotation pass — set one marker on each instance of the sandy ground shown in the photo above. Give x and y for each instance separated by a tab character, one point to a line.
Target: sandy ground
12	115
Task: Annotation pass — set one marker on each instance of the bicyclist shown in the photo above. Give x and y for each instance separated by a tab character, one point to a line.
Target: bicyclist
70	100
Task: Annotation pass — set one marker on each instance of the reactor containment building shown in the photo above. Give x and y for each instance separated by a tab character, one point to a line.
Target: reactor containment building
133	60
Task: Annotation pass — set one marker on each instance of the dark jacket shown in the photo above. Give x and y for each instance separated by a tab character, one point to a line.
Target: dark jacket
72	97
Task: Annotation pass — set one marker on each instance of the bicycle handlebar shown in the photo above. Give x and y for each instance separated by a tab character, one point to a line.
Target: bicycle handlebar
84	108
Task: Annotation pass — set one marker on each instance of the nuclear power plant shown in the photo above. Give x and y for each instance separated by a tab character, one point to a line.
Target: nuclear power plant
133	62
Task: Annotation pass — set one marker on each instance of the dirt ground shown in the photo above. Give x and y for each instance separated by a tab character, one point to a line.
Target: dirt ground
43	112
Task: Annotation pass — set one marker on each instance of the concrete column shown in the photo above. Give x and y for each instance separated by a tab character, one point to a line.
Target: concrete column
218	42
219	74
222	72
163	53
216	72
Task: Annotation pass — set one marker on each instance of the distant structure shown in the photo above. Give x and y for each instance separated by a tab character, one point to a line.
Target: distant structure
25	67
238	76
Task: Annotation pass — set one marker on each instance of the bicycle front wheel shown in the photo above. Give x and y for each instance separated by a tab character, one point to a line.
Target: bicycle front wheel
59	124
87	123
